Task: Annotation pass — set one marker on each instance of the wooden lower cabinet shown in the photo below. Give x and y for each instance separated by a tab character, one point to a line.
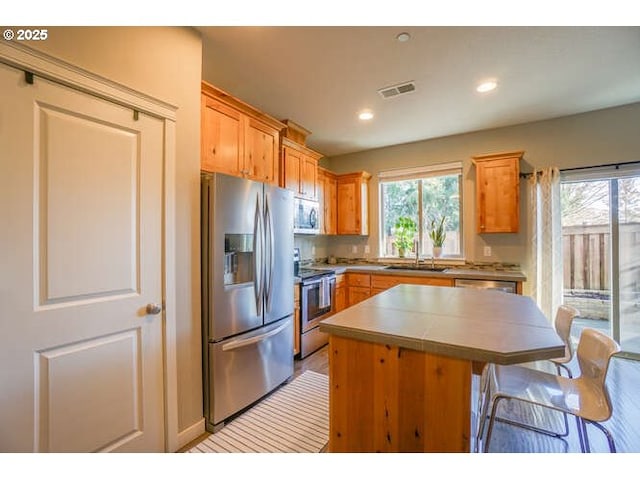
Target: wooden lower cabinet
384	282
361	286
296	319
385	398
358	287
358	294
341	293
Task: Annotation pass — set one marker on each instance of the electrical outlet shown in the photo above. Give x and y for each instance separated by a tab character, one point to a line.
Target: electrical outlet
366	249
487	251
354	249
313	250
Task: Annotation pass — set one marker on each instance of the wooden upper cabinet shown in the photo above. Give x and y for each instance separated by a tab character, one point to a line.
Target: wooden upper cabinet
222	142
309	177
291	169
328	199
353	203
263	144
300	169
498	192
291	160
238	139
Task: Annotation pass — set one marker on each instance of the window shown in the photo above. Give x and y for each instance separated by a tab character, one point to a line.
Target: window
424	195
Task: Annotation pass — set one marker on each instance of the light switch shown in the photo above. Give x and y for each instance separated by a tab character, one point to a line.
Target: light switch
487	251
354	249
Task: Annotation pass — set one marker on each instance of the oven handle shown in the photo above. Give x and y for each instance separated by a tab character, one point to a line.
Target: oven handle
253	340
307	283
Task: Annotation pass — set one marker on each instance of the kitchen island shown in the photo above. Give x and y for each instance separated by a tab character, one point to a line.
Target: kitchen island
401	363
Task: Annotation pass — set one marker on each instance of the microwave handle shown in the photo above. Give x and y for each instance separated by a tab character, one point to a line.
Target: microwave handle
313	218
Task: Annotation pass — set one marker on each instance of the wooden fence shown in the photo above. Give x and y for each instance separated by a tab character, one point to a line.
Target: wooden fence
586	255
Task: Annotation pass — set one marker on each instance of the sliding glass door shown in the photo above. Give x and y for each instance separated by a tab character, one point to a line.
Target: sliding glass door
628	192
601	251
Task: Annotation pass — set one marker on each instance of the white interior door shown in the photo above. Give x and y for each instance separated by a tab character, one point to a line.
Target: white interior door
81	194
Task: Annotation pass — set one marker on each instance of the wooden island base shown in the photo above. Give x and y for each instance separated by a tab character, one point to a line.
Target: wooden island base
386	398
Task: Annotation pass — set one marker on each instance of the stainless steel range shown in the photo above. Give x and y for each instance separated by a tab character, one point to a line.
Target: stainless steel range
317	301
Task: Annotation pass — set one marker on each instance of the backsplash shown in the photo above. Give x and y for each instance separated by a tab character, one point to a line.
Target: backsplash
317	249
489	266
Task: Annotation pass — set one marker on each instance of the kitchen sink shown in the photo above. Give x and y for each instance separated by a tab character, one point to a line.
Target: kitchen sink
423	268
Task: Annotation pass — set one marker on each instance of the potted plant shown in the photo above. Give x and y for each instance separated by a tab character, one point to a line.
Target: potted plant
405	231
437	234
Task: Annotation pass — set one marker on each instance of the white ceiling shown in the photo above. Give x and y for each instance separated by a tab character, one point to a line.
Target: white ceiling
320	77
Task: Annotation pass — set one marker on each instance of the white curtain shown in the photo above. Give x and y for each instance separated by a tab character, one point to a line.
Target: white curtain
546	242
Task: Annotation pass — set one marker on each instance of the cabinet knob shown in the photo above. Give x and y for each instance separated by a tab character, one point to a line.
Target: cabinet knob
213	150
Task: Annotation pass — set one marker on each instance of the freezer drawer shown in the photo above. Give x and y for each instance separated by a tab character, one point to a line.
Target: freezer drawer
245	368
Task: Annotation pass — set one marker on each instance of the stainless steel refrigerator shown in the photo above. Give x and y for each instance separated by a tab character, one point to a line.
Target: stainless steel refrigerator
247	293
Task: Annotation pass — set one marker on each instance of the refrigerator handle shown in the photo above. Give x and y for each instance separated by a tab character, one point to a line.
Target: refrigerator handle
257	257
270	260
253	340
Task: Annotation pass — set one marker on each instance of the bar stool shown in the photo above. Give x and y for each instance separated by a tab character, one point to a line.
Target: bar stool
562	324
585	397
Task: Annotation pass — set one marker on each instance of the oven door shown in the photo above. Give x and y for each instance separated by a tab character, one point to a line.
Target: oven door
316	300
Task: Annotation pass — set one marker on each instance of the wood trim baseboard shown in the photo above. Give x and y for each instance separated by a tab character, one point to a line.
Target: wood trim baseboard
189	434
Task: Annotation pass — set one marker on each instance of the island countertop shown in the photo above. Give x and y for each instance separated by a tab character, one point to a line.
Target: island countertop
469	324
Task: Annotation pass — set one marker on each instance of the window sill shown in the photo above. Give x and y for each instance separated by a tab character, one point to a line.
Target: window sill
409	260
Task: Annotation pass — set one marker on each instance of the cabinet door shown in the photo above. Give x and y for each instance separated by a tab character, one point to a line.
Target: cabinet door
292	159
358	294
341	298
309	177
321	193
349	221
497	195
260	157
222	138
330	192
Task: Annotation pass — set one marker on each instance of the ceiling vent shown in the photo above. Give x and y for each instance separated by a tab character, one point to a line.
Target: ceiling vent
396	90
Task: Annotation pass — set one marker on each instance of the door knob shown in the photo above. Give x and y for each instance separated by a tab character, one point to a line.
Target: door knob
153	309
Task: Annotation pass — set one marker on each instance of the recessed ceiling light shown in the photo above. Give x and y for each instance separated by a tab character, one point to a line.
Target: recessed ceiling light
403	37
365	115
487	86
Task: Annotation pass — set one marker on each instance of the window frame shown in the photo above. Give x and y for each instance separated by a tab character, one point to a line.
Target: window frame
419	174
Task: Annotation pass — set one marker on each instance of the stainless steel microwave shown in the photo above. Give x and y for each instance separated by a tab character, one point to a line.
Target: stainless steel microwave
305	216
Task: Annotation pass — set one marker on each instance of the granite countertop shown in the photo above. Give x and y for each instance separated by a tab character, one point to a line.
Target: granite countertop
453	272
477	325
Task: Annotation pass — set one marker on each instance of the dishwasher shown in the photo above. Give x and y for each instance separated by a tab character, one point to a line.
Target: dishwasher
503	286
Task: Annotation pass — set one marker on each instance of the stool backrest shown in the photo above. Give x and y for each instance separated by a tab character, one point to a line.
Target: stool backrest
562	324
594	353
